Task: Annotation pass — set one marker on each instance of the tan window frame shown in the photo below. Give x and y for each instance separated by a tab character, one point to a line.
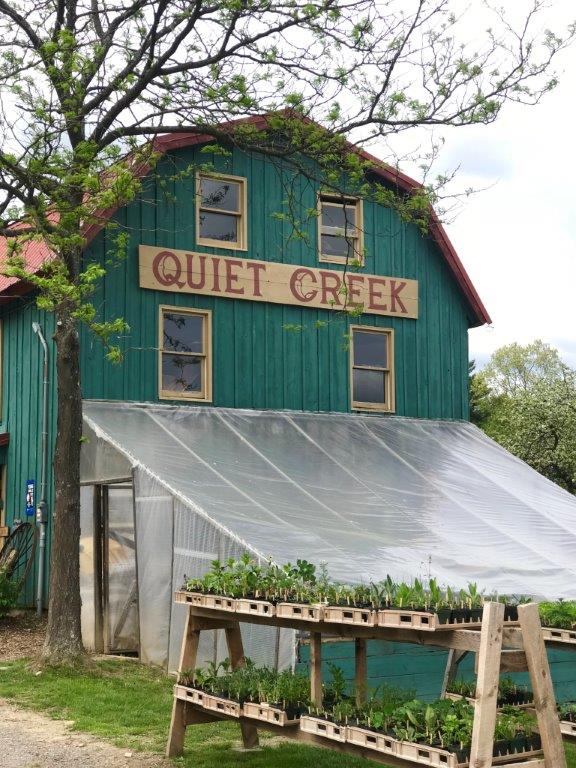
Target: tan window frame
205	395
337	201
241	214
389	406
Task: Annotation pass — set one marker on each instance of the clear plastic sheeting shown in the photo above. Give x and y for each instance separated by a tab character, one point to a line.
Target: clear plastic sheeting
367	495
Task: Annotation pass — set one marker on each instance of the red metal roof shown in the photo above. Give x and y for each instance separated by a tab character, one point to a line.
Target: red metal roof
37	252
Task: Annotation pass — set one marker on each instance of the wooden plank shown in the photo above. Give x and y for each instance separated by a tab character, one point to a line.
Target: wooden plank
513	661
316	668
361	670
454	659
4	531
487	685
544	700
236	654
181	713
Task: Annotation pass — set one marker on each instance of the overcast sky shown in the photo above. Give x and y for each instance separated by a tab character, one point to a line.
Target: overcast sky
517	239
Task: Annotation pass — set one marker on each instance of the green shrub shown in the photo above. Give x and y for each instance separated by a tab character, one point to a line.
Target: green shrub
560	614
8	594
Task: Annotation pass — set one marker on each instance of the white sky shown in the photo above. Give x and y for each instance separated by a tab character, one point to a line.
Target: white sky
517	239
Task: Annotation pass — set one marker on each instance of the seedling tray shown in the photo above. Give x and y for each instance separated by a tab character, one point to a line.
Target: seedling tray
324	728
192	695
421	620
219	603
268	714
255	607
423	754
363	737
559	635
300	611
472	700
568	728
192	598
358	617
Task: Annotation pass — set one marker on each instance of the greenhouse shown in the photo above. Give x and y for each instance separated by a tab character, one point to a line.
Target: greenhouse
168	489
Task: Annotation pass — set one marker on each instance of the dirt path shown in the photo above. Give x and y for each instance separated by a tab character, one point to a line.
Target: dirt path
29	740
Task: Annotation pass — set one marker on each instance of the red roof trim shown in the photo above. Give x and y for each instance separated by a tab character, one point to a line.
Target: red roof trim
4	438
172	141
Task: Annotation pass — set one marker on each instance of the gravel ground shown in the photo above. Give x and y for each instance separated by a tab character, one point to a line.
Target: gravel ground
29	740
21	635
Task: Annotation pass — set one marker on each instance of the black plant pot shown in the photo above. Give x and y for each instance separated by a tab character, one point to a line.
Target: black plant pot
457	615
444	615
511	613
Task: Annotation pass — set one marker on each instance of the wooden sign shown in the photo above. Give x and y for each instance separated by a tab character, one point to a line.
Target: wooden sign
184	272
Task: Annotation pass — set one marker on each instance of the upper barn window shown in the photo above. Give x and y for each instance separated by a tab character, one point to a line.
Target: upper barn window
340	229
221	211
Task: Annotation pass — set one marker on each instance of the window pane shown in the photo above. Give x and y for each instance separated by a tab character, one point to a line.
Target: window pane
219	226
370	349
368	386
220	193
332	245
181	373
183	332
342	216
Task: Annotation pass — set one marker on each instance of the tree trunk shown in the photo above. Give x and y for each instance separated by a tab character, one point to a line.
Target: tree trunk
63	643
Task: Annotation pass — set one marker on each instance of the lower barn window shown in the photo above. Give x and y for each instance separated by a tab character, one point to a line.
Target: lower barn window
185	365
372	368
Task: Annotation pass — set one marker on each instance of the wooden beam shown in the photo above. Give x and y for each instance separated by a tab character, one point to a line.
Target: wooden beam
487	685
513	661
182	715
544	700
236	654
452	664
361	668
316	668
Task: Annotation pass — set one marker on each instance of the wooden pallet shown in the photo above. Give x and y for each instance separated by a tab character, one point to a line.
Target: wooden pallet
523	645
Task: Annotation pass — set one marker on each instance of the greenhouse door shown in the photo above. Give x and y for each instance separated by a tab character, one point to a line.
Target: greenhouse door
119	586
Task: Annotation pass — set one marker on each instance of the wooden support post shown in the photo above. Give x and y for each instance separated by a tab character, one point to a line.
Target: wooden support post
452	664
487	685
544	700
316	668
236	654
361	670
181	716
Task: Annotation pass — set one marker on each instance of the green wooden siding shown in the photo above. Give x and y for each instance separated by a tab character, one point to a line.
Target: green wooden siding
422	668
257	362
22	411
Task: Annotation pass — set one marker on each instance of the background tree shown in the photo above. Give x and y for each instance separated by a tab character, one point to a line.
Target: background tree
85	85
525	399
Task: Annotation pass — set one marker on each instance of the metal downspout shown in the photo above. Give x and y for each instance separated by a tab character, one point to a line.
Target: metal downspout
42	510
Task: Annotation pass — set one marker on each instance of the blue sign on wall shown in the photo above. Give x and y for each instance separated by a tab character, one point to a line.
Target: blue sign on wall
30	498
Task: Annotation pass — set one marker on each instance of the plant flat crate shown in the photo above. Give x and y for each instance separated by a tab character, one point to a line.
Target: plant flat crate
559	635
324	728
255	607
219	603
191	598
408	619
221	706
471	700
268	714
423	754
192	695
568	728
359	617
301	611
362	737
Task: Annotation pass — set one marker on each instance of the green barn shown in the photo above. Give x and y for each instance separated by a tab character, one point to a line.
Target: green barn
245	374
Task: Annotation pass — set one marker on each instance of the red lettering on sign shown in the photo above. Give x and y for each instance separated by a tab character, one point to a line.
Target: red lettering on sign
256	268
394	291
216	275
167	269
231	277
353	292
373	294
191	258
333	289
296	284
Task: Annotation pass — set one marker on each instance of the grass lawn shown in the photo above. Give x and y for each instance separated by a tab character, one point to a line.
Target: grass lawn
129	705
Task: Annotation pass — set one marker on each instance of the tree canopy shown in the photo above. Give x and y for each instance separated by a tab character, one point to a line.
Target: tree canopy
525	399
